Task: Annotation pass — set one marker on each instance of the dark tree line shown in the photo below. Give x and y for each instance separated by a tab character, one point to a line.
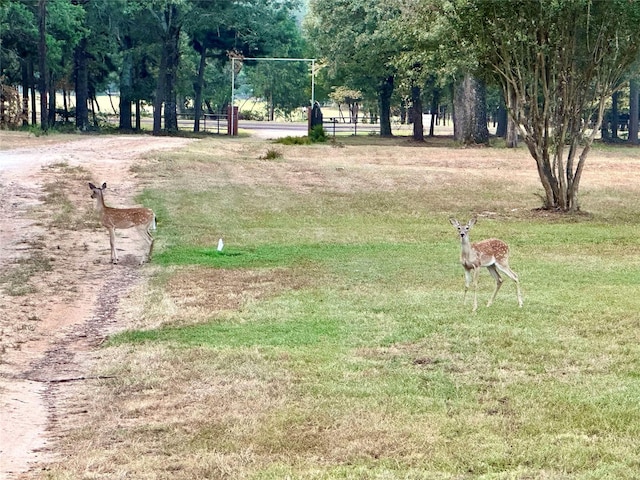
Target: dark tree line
143	47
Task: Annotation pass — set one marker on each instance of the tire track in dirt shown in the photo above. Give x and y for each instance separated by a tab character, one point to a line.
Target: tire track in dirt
48	332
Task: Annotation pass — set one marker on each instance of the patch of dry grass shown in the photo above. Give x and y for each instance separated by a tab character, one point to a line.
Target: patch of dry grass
16	280
168	408
201	293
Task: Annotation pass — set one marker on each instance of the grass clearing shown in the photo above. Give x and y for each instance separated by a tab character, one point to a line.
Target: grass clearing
15	281
329	338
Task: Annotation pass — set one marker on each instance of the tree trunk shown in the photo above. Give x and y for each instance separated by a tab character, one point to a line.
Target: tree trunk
615	116
173	57
126	87
435	108
512	134
503	119
634	112
26	81
42	59
198	88
470	112
271	115
384	97
416	101
160	95
167	71
93	112
354	109
82	86
52	100
34	116
65	106
512	125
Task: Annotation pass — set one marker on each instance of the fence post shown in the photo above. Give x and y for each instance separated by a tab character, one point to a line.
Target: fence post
232	121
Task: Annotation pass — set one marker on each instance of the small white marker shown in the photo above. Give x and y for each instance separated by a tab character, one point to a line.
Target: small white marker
220	245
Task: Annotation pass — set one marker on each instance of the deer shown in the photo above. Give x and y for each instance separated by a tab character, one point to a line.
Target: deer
493	254
143	219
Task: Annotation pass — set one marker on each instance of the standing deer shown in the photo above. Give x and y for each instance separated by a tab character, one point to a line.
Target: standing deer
143	219
491	253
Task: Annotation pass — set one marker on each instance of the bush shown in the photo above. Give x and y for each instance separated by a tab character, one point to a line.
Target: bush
272	154
251	115
317	134
293	140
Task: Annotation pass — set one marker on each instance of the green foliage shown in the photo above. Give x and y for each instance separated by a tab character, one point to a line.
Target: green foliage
317	134
271	154
251	115
356	42
286	85
293	140
18	34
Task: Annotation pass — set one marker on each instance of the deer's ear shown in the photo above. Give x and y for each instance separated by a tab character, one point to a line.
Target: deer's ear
454	222
104	185
91	186
473	221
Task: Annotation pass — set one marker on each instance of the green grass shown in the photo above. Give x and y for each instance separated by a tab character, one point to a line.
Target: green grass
372	367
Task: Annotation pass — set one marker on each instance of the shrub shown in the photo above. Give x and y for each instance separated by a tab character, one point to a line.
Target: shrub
272	154
293	140
317	134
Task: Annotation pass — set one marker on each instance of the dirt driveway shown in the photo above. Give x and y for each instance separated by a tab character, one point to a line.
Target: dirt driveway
51	319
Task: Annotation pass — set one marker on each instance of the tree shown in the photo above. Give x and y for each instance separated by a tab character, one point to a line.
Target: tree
352	98
431	59
285	85
250	29
210	37
557	62
42	63
170	15
18	52
137	36
355	40
96	55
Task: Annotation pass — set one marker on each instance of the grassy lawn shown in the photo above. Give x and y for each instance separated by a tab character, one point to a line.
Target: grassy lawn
329	338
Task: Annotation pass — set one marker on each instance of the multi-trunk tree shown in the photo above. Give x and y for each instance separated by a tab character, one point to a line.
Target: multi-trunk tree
558	62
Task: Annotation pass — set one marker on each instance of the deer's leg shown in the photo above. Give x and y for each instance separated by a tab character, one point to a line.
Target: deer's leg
112	241
150	240
152	226
513	276
146	235
150	245
496	276
476	274
467	283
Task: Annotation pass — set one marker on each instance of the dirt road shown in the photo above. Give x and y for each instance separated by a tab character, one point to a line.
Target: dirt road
58	291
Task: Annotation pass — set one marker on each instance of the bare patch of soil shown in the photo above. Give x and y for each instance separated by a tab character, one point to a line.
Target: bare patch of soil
58	291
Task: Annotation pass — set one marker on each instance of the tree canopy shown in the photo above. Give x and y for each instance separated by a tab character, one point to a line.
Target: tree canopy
141	46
